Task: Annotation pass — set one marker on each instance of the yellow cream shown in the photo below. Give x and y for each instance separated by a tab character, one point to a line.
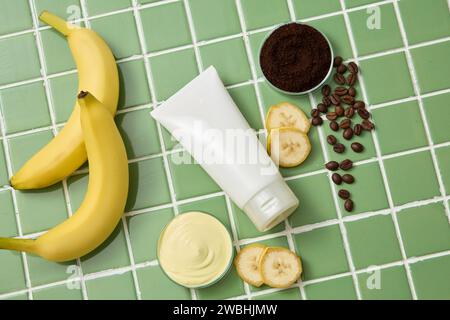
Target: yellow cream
195	249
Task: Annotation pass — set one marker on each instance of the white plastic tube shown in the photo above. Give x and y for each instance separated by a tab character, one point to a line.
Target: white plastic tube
205	120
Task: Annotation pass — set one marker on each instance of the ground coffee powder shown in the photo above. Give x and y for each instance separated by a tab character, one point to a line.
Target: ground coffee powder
295	58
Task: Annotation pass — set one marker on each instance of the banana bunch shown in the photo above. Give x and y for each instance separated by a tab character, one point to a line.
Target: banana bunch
105	198
90	133
97	71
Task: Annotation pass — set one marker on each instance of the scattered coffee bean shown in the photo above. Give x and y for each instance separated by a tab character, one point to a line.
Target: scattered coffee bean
339	111
357	147
348	178
352	91
322	108
348	99
349	112
345	124
331	116
348	134
344	194
348	205
337	61
363	113
341	91
339	78
326	90
342	69
315	113
352	67
316	121
337	179
326	101
367	125
346	164
359	105
334	98
332	165
339	148
334	126
351	79
331	140
357	129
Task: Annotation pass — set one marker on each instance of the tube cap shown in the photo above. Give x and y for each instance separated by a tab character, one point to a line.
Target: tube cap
271	205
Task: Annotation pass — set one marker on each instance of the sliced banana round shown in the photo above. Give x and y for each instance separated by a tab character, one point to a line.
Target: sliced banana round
289	147
247	264
280	267
286	114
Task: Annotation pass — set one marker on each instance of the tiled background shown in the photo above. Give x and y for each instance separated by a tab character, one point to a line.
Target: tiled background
401	219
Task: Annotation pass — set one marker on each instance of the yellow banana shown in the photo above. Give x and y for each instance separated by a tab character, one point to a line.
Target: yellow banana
105	198
97	71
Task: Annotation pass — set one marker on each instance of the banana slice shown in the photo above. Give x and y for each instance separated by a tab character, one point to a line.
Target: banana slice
286	114
288	147
247	264
280	267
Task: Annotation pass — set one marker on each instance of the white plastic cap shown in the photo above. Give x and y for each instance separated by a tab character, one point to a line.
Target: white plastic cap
271	205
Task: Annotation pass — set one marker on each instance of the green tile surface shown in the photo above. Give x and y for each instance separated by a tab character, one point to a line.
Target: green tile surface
166	31
336	289
385	284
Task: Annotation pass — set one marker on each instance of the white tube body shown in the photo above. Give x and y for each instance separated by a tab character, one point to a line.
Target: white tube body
205	120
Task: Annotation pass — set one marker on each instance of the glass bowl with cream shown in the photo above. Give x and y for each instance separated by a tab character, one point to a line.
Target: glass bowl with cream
195	250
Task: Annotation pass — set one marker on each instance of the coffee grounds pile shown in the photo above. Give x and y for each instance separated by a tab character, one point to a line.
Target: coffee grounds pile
295	58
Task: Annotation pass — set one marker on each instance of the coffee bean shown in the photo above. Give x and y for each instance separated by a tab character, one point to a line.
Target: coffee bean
339	78
348	99
339	111
357	147
351	79
322	108
352	91
339	148
348	205
352	67
337	61
337	179
326	101
331	139
349	112
344	194
342	69
334	126
348	134
332	165
346	164
367	125
357	129
346	123
316	121
363	113
359	105
331	116
334	98
315	113
326	90
348	178
341	91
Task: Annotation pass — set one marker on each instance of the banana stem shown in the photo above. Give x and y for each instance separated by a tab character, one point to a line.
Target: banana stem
56	22
25	245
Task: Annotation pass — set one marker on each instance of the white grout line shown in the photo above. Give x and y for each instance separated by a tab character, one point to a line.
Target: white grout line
417	92
198	58
380	161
